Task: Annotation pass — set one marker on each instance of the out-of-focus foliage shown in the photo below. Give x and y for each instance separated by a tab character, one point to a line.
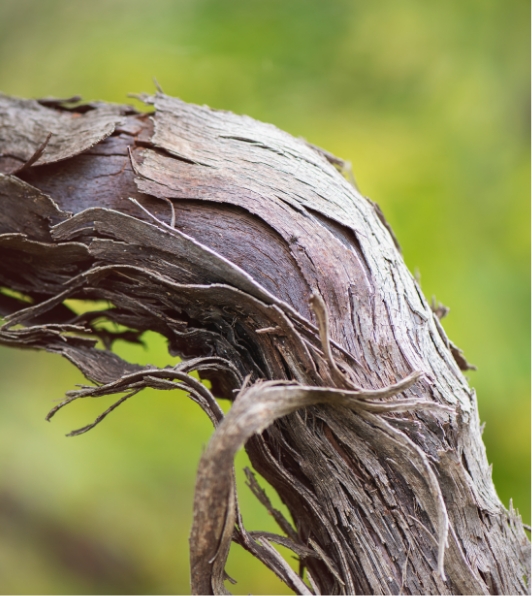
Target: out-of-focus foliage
428	100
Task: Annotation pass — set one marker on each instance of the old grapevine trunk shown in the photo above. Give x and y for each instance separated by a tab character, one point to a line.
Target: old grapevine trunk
277	281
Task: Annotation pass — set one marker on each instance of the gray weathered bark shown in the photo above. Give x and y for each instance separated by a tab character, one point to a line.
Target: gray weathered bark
277	281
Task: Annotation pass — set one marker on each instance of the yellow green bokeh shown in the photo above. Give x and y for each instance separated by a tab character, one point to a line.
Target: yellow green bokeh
430	101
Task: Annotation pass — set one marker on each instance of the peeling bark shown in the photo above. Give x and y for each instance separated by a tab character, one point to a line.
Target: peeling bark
276	280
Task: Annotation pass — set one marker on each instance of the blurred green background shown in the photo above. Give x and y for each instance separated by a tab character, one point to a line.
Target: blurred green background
430	101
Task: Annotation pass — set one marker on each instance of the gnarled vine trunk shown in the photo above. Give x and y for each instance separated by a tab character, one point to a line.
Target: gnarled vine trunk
279	283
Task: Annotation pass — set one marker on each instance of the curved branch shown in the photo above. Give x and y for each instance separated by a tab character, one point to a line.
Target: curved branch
251	253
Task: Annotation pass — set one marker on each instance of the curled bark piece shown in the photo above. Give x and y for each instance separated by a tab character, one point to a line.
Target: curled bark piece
68	133
255	409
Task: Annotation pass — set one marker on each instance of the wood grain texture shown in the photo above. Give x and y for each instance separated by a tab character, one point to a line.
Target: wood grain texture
276	280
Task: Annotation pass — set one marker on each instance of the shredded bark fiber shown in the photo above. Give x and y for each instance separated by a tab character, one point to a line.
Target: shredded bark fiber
276	280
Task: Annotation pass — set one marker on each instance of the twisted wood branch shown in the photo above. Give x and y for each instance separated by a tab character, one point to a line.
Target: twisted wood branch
276	280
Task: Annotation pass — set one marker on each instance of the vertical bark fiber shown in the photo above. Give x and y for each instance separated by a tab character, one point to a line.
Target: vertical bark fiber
276	280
